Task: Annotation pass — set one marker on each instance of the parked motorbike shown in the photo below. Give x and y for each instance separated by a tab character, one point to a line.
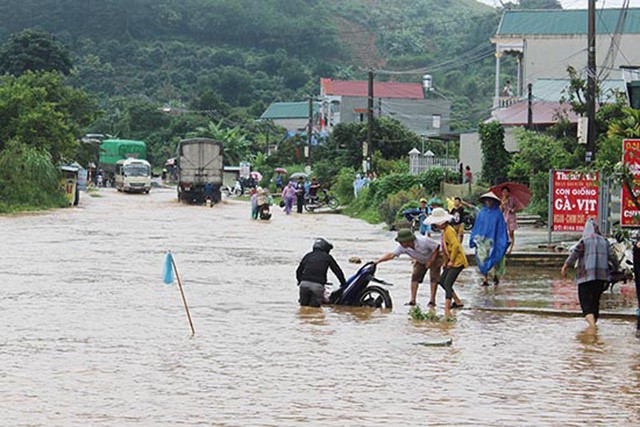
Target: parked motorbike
622	270
323	199
416	218
469	218
359	292
236	190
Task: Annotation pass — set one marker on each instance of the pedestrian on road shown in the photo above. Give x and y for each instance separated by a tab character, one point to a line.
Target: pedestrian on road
457	211
490	239
424	212
358	183
454	258
509	207
593	254
300	194
288	196
312	273
468	175
254	203
425	253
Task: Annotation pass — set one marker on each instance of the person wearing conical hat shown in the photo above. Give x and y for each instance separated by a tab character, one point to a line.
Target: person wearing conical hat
490	239
455	259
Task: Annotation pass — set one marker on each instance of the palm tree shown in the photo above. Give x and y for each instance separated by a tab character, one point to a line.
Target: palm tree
237	147
628	126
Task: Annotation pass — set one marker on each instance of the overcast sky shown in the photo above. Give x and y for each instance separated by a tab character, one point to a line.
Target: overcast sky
578	4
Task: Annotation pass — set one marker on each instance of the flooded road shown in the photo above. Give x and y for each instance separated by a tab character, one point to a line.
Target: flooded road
91	336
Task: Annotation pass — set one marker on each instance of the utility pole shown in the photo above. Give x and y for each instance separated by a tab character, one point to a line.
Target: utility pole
266	131
309	131
591	84
530	107
370	122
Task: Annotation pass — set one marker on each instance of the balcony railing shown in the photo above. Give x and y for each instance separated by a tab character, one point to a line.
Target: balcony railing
505	101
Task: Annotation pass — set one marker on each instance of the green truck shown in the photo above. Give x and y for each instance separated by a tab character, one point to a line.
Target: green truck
112	150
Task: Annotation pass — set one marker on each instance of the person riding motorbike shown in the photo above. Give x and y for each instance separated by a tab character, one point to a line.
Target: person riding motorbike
312	273
313	190
264	201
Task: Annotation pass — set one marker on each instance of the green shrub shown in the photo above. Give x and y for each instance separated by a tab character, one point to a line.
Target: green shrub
327	172
391	184
343	187
28	179
539	186
431	179
391	207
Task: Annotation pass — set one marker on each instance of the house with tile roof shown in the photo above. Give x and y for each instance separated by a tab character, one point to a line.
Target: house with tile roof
345	101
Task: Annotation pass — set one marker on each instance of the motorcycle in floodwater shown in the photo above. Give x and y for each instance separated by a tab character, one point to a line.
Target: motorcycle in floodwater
360	292
264	211
321	200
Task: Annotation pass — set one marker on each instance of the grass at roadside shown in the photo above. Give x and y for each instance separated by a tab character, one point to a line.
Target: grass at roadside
371	215
9	209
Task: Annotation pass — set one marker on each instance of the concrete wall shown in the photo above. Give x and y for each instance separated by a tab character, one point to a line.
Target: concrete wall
292	124
416	114
549	56
471	152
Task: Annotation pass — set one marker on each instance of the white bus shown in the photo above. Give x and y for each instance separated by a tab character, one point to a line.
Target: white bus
133	175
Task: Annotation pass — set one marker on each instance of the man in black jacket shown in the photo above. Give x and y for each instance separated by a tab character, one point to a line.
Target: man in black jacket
312	273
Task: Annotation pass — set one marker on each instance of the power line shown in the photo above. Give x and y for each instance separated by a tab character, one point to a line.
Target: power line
476	54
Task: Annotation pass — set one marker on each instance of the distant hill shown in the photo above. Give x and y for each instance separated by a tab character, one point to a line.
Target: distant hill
252	52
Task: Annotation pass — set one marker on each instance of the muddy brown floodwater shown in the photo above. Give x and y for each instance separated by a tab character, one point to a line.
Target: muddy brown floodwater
91	336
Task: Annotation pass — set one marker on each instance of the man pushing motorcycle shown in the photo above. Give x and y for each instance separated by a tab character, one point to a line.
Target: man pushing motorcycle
312	273
426	255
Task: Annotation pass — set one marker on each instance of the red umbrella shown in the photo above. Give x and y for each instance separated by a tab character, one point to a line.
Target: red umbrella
281	170
519	193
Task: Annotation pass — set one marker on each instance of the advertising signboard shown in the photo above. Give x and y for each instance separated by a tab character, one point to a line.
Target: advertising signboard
575	198
629	213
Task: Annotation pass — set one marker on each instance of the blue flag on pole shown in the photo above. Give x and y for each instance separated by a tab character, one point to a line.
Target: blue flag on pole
167	270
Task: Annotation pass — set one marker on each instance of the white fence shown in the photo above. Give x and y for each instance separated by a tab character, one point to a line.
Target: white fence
419	163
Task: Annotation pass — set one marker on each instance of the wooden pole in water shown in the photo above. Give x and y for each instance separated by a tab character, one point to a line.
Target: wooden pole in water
184	300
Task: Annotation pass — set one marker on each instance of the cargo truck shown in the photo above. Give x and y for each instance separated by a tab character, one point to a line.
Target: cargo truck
200	170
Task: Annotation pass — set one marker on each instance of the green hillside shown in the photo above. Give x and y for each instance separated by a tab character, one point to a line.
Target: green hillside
248	53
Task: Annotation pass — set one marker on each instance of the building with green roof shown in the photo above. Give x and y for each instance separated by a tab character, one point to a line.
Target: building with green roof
293	116
543	43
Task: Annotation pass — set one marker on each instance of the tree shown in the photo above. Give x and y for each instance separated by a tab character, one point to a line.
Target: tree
627	126
390	137
495	158
33	50
237	147
36	109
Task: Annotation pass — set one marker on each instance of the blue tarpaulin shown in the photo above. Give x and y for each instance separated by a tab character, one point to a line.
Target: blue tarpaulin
489	237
